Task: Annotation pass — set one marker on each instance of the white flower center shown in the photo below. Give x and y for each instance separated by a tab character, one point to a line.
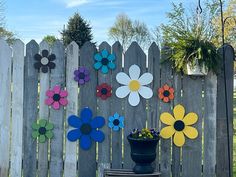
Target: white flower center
134	85
44	61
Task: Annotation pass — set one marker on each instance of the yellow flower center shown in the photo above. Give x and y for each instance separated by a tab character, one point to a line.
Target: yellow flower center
134	85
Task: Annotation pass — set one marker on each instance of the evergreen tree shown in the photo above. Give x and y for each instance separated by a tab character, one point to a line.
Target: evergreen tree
78	30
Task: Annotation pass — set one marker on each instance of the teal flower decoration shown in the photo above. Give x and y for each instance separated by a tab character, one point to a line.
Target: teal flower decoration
104	61
116	122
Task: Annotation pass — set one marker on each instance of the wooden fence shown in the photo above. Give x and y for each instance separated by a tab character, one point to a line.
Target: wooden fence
22	95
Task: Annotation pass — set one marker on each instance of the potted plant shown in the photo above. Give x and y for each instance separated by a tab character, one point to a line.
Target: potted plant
189	40
143	145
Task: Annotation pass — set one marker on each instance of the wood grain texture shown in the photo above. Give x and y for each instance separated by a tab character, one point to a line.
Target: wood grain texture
135	117
176	151
5	106
209	160
116	106
104	110
87	95
17	109
154	103
165	160
43	114
222	155
57	116
192	149
30	109
72	63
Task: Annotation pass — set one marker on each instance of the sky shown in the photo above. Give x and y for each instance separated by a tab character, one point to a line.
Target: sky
34	19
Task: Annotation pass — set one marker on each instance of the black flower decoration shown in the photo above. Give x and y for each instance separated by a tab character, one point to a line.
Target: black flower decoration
44	61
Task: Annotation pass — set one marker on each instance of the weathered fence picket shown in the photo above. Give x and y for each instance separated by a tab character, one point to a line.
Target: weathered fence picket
23	92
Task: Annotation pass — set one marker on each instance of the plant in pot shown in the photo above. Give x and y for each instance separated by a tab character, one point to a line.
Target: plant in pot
189	40
143	145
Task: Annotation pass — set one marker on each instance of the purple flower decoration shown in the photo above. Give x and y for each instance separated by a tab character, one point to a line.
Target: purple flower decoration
81	75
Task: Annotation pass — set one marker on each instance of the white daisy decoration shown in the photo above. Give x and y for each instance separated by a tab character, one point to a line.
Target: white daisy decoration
134	85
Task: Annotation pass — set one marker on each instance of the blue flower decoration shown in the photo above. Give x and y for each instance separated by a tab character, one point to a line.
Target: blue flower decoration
116	122
86	128
104	61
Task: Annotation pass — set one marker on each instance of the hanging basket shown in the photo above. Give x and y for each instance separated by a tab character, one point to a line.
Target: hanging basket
196	70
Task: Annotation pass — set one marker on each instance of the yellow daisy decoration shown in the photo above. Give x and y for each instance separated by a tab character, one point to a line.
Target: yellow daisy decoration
179	125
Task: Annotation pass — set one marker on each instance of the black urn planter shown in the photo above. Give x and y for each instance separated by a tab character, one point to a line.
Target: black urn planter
143	153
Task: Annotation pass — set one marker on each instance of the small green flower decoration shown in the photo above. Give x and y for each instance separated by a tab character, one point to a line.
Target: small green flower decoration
42	130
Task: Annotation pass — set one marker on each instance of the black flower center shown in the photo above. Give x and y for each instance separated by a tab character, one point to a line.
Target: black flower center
56	97
166	93
81	75
179	125
42	130
105	61
104	91
86	129
116	122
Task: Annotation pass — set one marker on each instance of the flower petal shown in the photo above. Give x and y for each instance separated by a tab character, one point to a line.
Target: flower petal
63	101
52	57
166	99
45	53
104	53
161	90
111	118
35	134
121	124
57	89
97	122
86	115
167	132
121	119
190	119
49	101
49	126
74	121
37	57
50	93
81	81
190	132
134	98
49	134
146	78
166	87
145	92
51	65
116	128
56	105
123	78
97	135
42	138
171	96
63	93
171	90
44	69
134	72
104	69
179	139
97	65
111	57
85	142
161	96
110	124
167	118
111	65
74	135
35	126
122	91
43	122
179	112
37	65
116	115
98	57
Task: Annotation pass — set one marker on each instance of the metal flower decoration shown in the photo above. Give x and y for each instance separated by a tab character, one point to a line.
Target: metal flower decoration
104	91
82	75
44	61
166	93
116	122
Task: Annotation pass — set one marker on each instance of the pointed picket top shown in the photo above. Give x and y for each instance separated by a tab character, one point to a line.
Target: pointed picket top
73	43
153	47
104	45
57	44
44	45
88	45
4	45
117	44
18	43
135	48
72	48
32	44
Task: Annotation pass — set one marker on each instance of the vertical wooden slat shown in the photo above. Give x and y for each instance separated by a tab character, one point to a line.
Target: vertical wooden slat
72	62
43	114
104	110
17	109
176	151
5	106
222	155
87	95
210	92
116	106
192	149
165	160
154	103
57	116
135	117
30	109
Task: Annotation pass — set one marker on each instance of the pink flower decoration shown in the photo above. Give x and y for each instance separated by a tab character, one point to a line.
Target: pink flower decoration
56	97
